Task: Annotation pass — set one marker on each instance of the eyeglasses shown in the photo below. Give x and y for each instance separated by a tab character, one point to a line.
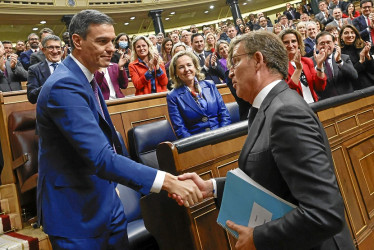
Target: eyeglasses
234	64
51	48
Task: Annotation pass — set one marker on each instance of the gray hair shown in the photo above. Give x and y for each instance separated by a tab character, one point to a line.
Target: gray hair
80	23
269	45
32	34
48	38
179	44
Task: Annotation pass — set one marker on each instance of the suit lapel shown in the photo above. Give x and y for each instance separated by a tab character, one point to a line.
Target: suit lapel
258	122
187	98
44	69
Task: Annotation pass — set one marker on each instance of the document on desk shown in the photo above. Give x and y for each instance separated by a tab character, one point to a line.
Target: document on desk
247	203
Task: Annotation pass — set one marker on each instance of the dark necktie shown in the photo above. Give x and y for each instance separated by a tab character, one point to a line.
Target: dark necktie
96	92
202	60
328	69
251	115
54	65
5	73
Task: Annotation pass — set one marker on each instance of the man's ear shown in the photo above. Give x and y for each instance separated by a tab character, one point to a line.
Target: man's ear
77	41
259	59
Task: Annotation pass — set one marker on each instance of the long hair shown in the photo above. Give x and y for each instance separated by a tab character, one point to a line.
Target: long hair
151	50
298	36
163	50
358	43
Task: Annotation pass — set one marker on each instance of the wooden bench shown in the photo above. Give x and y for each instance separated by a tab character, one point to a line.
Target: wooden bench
349	124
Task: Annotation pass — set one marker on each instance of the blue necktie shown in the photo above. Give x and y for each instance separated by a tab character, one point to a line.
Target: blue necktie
54	65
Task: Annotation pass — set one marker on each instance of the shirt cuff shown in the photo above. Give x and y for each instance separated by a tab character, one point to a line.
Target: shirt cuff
159	72
206	68
214	188
158	182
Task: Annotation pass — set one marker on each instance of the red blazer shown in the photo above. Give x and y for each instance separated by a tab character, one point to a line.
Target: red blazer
314	82
137	72
118	77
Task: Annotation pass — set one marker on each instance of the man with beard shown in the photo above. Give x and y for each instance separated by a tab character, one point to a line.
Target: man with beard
34	44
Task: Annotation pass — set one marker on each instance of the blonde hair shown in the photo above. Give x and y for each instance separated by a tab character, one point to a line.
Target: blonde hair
207	46
173	64
151	50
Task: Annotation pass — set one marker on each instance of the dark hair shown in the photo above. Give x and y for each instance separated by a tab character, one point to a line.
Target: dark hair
45	30
366	1
196	35
359	43
7	42
116	43
298	38
163	51
80	23
324	33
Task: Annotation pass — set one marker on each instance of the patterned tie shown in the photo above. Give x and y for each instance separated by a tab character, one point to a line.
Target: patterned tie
95	88
328	69
251	115
54	65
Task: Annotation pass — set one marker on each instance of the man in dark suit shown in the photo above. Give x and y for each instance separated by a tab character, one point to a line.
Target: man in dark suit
39	73
341	75
365	22
290	12
324	16
197	43
310	41
78	164
286	151
338	4
39	56
25	56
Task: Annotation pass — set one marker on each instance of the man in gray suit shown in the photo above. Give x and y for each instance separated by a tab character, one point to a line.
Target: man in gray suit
338	20
324	16
286	151
264	24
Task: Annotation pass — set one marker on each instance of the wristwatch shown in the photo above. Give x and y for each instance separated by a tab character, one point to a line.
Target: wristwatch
320	70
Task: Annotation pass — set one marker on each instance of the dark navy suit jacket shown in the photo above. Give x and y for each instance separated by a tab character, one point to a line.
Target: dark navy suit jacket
24	57
37	76
78	166
360	24
188	118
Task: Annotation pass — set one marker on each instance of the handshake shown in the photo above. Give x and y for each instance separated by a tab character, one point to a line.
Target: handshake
187	189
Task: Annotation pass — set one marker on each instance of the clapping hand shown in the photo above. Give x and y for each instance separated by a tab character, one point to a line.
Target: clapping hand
297	60
320	57
338	53
125	58
365	52
13	60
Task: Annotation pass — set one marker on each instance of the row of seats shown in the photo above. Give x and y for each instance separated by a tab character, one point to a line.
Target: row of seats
143	141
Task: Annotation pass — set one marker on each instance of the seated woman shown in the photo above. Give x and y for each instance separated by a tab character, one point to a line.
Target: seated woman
350	12
302	76
112	78
166	47
146	69
359	52
194	105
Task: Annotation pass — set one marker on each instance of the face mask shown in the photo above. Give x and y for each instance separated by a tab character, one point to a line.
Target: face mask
123	45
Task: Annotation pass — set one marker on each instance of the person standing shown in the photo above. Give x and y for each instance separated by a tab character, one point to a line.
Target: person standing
79	164
286	151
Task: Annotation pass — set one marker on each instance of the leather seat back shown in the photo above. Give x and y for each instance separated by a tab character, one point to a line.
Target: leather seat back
144	139
233	109
22	137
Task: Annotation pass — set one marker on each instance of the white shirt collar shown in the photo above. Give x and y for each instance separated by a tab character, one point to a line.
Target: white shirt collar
86	72
49	62
263	93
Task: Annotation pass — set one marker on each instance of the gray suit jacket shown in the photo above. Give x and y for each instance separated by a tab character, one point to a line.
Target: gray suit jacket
16	75
320	17
288	153
344	21
37	57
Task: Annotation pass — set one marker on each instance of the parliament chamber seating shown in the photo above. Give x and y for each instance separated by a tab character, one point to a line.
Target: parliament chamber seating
233	109
144	139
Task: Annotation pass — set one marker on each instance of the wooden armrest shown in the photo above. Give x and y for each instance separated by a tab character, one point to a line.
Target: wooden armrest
20	161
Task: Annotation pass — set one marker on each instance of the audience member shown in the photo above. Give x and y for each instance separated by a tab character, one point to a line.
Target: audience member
284	22
263	24
324	15
5	84
223	35
186	39
338	68
222	49
166	47
175	38
39	56
247	29
304	17
194	29
39	73
8	48
253	23
350	12
146	69
338	21
301	27
302	75
277	28
310	41
122	44
194	105
290	12
67	47
231	32
365	23
333	30
319	25
338	4
33	40
20	47
261	14
210	42
153	39
14	71
359	52
178	47
307	8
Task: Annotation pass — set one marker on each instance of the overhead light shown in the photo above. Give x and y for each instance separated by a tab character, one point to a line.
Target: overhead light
172	13
34	28
244	3
43	22
126	23
166	18
132	18
206	12
211	7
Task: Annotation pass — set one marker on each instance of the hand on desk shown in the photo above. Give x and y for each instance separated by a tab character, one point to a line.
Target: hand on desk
206	187
245	240
186	190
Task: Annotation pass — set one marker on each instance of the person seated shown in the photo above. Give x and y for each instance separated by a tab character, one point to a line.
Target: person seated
194	105
302	75
112	78
146	69
358	50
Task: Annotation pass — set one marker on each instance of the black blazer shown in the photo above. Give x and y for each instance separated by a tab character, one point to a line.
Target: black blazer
38	74
287	152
